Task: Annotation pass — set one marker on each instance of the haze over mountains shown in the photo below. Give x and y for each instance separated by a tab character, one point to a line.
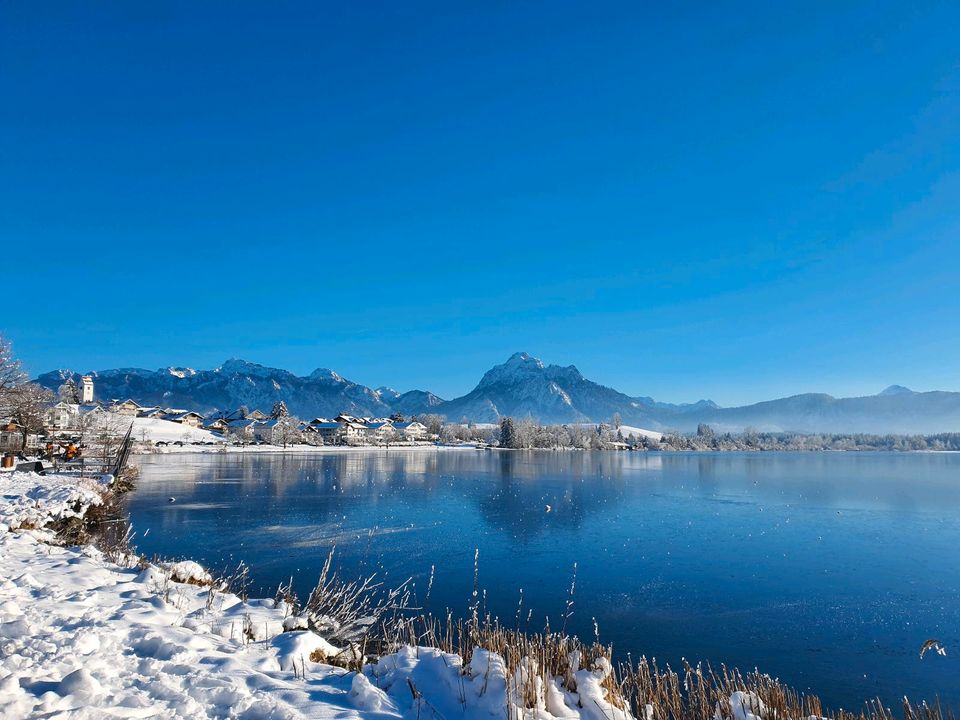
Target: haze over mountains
521	387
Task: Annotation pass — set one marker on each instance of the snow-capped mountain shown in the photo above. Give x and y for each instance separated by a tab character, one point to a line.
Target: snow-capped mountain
523	386
235	383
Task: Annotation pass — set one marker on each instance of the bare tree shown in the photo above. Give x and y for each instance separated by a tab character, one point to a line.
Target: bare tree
390	435
433	422
104	434
28	405
11	375
286	431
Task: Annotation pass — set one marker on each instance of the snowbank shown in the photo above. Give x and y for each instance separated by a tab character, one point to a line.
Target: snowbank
31	500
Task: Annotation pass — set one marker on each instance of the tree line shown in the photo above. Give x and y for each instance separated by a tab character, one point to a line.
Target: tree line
527	434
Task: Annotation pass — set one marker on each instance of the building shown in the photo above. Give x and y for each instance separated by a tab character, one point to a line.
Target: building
86	390
244	430
329	432
184	417
127	407
217	424
256	415
154	412
377	432
63	416
411	430
277	431
12	438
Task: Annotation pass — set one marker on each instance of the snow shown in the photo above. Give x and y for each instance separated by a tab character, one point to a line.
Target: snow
157	430
83	637
31	500
188	571
628	430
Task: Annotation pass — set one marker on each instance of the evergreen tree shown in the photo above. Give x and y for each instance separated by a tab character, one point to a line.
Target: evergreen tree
68	392
279	410
508	433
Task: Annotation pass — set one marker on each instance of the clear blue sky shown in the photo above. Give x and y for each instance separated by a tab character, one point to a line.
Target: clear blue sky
692	201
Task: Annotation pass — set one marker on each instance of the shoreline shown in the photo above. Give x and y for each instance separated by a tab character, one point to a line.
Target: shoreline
85	629
335	449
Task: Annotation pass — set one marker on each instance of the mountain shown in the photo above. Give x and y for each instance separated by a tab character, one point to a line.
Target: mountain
235	383
521	387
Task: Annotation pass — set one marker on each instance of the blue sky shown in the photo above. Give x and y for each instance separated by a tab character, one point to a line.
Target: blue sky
687	201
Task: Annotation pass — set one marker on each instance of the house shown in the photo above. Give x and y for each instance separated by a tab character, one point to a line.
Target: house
277	431
127	407
411	430
154	412
329	432
12	438
352	432
63	416
244	430
218	424
377	432
185	417
256	415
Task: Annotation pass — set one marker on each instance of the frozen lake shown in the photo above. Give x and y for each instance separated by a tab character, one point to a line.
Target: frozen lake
825	570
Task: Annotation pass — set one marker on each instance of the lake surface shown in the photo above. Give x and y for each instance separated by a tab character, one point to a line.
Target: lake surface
825	570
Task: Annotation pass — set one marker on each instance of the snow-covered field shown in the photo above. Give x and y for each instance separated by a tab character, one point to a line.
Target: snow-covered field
83	637
158	430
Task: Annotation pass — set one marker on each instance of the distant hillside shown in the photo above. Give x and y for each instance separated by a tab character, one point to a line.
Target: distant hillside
521	387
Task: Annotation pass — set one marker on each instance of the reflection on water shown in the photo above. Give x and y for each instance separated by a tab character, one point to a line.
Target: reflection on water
827	570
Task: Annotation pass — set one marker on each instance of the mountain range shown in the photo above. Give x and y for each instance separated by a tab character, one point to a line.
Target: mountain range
521	387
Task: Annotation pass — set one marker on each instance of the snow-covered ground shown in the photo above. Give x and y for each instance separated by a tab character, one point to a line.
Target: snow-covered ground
159	430
84	637
628	430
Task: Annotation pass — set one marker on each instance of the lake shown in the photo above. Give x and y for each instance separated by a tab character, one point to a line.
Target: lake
827	570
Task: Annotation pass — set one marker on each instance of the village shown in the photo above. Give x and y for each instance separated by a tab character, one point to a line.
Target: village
63	426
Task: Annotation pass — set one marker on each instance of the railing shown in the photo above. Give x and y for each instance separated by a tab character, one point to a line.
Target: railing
123	453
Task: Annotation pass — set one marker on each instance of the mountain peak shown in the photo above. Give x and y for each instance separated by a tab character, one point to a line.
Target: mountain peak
237	365
181	372
896	390
325	374
520	358
387	393
519	367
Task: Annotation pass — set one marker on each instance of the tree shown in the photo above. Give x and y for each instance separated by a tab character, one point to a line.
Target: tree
68	392
616	420
286	431
11	375
28	405
508	433
433	423
243	411
390	435
397	417
279	410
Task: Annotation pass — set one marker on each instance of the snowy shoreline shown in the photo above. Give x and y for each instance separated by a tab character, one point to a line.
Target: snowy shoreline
91	633
86	637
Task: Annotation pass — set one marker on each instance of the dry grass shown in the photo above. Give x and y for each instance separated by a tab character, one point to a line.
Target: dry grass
371	620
